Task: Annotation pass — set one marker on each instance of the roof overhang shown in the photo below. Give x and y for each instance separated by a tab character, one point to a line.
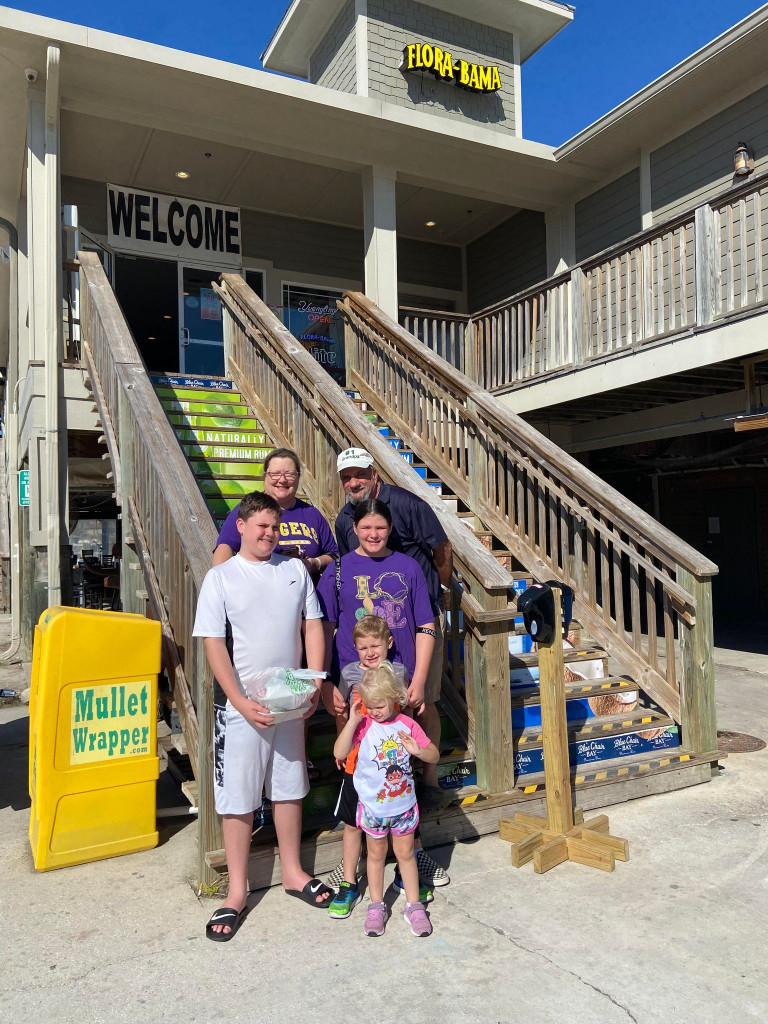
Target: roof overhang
732	66
306	21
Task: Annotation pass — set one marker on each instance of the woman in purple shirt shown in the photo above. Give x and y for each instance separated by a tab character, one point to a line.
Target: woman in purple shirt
304	532
374	580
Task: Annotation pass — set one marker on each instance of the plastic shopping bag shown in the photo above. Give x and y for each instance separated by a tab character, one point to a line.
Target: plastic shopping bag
282	689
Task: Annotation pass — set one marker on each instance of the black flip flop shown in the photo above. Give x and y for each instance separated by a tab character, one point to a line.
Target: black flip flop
310	892
225	916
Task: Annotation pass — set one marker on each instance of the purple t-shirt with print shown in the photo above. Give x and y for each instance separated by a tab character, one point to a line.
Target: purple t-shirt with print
393	588
302	526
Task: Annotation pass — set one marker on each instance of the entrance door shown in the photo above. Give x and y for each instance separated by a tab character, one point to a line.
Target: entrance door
201	342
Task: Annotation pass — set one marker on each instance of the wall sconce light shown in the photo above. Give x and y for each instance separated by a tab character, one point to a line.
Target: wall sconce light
743	161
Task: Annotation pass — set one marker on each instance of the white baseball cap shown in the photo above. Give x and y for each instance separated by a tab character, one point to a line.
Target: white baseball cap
357	458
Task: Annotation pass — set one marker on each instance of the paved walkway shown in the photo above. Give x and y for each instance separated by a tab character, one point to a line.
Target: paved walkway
677	934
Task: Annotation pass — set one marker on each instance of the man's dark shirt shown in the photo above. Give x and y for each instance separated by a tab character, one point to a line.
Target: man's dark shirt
416	531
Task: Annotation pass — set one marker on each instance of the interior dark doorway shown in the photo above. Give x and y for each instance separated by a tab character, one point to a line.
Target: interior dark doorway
148	293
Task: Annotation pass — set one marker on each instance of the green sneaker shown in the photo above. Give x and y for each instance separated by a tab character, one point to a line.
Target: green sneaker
425	893
344	902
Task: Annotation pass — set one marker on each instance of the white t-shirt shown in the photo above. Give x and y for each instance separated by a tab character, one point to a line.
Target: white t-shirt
265	603
383	773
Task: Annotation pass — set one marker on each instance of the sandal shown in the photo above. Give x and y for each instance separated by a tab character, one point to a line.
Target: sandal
225	916
311	891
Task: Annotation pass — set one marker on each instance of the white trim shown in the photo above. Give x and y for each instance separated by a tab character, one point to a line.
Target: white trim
361	47
517	85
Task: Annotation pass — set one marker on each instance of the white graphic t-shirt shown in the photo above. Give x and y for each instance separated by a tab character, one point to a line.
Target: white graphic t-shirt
383	773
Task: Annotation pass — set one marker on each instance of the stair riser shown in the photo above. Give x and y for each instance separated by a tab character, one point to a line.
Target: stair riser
196	395
218	452
205	408
239	469
576	709
229	488
586	752
225	437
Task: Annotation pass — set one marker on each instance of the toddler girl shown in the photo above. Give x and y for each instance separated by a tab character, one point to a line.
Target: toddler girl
386	793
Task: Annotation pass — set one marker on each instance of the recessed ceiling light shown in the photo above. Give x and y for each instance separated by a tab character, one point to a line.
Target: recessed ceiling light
150	338
167	316
182	174
429	223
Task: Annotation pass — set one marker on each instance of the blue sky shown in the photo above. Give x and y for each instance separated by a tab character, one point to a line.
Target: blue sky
612	48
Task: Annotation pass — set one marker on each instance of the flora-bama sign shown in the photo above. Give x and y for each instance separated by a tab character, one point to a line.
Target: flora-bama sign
148	223
443	65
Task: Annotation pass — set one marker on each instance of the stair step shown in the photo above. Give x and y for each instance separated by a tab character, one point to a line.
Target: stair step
639	720
221	507
237	423
569	656
577	689
653	756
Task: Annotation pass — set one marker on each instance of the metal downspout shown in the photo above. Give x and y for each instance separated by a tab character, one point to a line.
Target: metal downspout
12	436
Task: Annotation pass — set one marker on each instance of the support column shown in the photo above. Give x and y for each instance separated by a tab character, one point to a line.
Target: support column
45	326
561	239
380	224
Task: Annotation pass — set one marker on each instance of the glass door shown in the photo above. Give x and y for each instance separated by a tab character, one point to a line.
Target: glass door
201	341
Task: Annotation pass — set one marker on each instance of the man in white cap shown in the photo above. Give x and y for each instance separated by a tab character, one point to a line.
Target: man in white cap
416	531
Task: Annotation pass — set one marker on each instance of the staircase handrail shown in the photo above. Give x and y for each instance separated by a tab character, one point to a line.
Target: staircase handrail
172	529
555	516
304	409
635	521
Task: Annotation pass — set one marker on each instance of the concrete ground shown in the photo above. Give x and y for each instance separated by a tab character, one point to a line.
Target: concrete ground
676	934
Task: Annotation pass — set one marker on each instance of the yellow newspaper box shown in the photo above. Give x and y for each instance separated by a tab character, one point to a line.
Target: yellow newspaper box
92	736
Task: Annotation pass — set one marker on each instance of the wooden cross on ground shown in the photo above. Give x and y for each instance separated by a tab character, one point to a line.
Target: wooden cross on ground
563	834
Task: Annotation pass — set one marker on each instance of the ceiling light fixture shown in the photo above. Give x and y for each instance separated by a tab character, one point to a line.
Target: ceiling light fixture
167	316
182	174
429	223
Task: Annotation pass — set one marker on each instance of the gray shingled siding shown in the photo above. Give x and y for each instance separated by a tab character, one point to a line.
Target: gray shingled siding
608	215
699	164
507	259
429	264
394	23
333	62
298	246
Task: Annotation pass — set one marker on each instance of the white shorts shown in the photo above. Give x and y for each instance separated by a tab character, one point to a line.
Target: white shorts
249	762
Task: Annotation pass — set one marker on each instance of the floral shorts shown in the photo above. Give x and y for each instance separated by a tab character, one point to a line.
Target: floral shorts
401	825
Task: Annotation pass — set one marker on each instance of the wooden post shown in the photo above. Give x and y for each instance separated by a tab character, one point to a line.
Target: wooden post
705	264
209	836
476	467
697	703
491	700
563	834
577	308
350	348
557	772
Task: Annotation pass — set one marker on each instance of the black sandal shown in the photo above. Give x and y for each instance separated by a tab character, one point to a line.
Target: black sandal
310	892
226	916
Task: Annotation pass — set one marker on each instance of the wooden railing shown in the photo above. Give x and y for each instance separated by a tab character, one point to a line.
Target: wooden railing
638	588
444	333
685	273
172	531
302	408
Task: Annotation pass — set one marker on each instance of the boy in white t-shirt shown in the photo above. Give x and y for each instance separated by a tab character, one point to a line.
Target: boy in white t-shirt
252	611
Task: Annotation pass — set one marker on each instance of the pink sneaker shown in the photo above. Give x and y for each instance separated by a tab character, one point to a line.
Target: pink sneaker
376	919
417	918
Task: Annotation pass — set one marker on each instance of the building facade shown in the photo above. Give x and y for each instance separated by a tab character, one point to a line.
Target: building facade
387	156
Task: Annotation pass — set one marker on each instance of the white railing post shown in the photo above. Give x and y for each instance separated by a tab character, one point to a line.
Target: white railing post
705	264
577	325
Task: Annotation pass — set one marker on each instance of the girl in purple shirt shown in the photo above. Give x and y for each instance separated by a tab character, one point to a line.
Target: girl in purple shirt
374	580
